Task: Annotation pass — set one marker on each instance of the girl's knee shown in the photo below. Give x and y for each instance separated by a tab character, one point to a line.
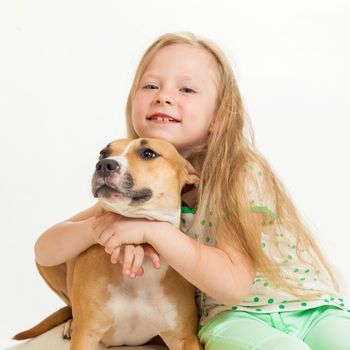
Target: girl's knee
330	333
285	342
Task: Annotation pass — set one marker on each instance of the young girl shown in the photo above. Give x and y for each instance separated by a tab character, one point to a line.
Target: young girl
262	281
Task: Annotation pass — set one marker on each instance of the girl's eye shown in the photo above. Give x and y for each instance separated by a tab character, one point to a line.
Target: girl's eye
187	90
150	86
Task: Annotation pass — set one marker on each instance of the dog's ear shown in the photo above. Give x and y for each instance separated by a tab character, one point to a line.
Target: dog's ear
190	174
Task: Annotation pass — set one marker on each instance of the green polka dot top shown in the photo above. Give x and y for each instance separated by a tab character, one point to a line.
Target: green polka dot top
278	244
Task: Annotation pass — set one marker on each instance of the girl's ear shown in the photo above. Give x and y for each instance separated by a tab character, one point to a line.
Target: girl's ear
190	174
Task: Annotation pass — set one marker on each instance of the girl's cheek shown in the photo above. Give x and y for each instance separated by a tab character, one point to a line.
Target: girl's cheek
138	105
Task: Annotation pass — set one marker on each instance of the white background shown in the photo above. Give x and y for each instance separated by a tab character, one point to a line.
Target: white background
65	72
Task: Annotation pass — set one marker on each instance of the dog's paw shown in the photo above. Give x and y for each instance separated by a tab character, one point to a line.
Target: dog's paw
67	329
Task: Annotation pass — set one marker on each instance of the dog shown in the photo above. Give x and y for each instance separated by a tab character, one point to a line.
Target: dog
137	178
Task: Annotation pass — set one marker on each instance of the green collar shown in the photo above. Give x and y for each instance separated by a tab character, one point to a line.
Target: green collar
185	209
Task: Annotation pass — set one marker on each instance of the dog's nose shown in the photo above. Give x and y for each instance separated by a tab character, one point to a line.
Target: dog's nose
106	167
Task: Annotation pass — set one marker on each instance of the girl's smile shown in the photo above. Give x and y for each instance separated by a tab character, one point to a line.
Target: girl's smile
162	118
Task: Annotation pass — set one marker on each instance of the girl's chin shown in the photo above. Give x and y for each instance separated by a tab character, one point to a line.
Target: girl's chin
166	136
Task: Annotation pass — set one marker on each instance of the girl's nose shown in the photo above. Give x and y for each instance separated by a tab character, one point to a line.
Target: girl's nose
164	98
166	101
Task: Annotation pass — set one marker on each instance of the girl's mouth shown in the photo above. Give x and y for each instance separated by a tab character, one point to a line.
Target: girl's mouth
161	118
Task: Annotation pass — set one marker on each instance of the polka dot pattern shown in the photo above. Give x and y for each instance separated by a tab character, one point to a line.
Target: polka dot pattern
281	246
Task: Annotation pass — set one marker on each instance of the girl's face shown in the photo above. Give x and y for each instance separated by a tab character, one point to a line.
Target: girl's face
177	96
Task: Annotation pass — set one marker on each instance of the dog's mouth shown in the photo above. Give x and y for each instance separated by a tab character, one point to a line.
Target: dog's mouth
109	191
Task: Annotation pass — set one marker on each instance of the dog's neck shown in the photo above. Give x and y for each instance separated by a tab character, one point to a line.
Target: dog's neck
173	217
168	214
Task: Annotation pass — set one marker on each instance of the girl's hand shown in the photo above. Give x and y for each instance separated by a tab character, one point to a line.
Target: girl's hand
114	232
132	257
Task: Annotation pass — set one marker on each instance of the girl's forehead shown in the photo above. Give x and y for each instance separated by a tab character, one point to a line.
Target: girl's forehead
184	60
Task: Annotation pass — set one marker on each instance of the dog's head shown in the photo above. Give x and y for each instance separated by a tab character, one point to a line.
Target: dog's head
142	178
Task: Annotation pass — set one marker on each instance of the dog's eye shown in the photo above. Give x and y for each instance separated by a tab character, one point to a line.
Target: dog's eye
104	153
149	154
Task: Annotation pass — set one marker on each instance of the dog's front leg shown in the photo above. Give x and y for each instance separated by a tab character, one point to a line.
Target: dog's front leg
181	341
84	340
88	332
89	294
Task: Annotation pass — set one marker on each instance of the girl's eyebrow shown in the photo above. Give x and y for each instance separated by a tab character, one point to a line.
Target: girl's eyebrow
149	75
182	77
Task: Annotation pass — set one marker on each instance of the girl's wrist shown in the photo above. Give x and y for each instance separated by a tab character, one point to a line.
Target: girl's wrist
155	231
89	231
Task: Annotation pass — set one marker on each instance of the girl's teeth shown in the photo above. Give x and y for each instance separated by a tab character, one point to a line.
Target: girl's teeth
162	119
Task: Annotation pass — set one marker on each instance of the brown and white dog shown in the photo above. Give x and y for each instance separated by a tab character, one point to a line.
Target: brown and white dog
141	178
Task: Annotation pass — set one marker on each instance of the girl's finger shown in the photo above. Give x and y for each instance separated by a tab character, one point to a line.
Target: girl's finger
138	260
99	227
128	258
121	253
108	236
105	236
156	261
113	242
152	253
140	271
102	219
115	255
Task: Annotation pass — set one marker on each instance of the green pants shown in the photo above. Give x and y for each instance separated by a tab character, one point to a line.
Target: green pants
321	328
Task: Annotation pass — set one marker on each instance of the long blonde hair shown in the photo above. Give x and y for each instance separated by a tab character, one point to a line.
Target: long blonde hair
230	149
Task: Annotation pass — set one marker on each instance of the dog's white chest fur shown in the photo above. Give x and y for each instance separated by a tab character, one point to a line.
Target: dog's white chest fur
140	307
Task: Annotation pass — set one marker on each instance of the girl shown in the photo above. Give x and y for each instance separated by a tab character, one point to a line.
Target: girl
262	281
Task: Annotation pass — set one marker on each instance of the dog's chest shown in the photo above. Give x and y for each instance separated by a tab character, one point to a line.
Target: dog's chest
140	308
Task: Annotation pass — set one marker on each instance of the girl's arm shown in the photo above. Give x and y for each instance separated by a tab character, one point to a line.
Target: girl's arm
67	239
221	272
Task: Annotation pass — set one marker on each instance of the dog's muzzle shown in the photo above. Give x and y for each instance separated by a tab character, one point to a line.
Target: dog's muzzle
103	185
101	181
